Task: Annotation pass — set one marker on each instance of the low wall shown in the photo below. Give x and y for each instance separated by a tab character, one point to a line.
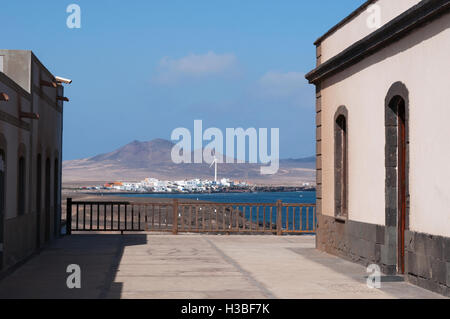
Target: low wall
427	257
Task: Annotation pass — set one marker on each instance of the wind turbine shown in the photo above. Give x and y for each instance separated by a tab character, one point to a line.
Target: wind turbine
215	168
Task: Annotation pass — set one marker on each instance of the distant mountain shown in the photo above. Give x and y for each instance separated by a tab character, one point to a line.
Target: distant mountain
308	161
138	160
139	154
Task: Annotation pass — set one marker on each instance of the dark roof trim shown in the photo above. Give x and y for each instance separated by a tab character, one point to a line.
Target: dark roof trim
345	21
12	120
415	17
14	86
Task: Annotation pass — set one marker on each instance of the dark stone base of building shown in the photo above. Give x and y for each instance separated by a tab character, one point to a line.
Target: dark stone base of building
427	257
428	261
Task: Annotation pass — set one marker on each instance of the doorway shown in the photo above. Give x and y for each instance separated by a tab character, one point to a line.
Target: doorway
397	182
401	182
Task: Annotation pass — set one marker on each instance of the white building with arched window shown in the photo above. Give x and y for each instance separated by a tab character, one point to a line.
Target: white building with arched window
383	139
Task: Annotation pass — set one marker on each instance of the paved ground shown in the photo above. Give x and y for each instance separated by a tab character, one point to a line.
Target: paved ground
195	266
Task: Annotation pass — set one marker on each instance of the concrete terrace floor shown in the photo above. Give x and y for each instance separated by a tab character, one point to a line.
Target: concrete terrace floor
195	267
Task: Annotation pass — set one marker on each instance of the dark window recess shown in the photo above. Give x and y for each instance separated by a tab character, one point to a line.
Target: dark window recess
2	200
38	199
47	199
341	166
21	186
2	184
55	197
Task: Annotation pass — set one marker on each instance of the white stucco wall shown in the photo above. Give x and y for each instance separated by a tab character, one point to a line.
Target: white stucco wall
421	61
357	28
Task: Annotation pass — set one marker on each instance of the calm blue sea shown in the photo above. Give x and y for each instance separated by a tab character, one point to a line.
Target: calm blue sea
262	197
303	220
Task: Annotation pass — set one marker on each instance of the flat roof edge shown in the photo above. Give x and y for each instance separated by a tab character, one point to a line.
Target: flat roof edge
5	79
32	56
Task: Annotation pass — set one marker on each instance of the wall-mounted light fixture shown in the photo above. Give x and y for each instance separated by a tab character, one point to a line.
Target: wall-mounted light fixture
49	84
62	98
33	116
62	80
4	97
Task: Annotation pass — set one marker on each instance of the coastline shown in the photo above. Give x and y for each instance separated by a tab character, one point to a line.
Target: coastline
257	189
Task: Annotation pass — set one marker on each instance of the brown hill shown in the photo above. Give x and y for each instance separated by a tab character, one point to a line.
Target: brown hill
138	160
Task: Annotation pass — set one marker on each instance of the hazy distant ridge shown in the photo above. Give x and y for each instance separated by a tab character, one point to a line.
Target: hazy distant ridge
138	160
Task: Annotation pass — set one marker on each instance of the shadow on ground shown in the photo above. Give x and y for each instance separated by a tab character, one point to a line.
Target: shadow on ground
192	266
44	276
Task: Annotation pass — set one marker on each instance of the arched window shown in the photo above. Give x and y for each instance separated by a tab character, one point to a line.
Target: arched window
55	196
38	199
47	198
21	186
341	163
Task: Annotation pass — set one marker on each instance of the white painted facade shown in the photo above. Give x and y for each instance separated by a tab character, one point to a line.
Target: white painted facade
359	26
421	61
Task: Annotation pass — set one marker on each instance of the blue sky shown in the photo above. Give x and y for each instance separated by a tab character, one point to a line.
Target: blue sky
143	68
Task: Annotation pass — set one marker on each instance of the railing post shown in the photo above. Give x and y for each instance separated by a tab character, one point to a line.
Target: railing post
175	217
69	216
279	218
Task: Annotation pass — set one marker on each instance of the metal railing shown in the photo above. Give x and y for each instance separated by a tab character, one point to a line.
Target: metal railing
273	218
